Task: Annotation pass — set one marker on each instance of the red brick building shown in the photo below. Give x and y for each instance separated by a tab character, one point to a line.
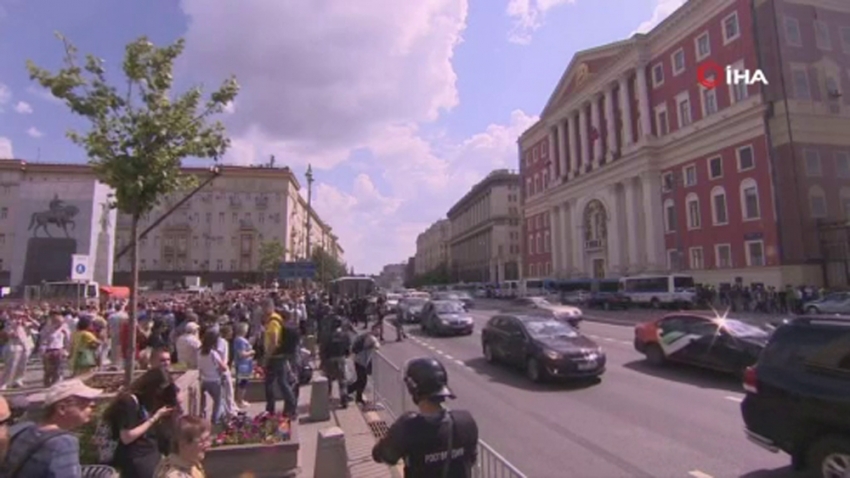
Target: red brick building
652	172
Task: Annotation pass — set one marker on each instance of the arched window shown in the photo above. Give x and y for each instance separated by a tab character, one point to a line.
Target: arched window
692	211
817	202
750	205
719	208
669	216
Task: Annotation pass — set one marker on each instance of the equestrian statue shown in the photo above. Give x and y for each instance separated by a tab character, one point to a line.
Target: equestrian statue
59	214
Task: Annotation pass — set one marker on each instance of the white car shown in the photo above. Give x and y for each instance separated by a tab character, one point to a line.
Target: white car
571	314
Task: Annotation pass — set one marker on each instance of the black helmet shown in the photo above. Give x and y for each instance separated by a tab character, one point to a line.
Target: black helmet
426	377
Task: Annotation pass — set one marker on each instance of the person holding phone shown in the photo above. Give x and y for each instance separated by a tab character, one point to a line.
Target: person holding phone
137	416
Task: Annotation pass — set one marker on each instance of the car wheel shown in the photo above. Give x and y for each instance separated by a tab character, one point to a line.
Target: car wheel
830	456
532	370
654	355
812	310
488	354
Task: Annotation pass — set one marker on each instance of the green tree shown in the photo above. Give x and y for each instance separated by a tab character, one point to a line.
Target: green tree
271	256
139	134
328	267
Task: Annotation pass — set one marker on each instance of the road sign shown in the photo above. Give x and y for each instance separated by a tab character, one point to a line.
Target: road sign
296	270
80	267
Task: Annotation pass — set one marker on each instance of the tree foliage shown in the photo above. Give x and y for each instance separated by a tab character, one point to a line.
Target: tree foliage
139	133
328	267
437	276
271	254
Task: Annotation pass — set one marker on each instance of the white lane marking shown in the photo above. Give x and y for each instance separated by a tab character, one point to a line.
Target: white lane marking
609	339
460	363
699	474
734	399
593	336
449	357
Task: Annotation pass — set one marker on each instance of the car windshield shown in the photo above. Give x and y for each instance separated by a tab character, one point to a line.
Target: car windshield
448	308
740	329
550	328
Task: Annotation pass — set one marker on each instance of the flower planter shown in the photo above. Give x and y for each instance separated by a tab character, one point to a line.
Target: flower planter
263	460
255	391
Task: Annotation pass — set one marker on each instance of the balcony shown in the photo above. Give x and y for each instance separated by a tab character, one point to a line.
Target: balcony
235	202
247	224
593	245
261	202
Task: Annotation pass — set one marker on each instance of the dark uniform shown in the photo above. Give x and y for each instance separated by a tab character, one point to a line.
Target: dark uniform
443	444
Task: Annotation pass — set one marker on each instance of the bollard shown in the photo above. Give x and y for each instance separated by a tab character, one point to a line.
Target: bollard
320	407
331	454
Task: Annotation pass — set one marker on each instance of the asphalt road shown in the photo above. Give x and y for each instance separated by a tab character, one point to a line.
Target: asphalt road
638	421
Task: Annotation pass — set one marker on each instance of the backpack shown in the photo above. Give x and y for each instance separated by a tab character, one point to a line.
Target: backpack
105	439
359	344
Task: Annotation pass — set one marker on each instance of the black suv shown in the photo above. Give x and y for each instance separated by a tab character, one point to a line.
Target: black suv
798	394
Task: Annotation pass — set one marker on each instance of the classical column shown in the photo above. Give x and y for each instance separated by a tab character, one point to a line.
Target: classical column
575	156
643	102
610	122
632	224
562	148
653	220
556	247
567	238
577	236
552	154
625	113
613	241
595	122
584	153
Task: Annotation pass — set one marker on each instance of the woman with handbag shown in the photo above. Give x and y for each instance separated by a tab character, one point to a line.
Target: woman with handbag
85	345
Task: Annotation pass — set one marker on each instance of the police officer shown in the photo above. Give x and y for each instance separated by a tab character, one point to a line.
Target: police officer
434	442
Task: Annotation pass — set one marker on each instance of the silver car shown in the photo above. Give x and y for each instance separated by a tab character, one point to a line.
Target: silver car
834	303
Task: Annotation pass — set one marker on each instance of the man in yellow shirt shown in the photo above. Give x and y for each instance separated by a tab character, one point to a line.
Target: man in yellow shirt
278	364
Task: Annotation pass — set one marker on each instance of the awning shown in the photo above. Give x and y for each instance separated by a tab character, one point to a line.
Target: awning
115	292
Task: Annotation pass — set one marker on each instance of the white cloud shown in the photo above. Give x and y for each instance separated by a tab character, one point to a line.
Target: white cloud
43	94
6	148
34	133
528	16
663	9
23	108
5	96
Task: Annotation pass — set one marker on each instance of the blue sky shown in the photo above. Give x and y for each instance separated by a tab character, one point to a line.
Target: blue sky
399	106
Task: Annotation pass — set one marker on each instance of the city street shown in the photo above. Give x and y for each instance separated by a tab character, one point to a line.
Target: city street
637	422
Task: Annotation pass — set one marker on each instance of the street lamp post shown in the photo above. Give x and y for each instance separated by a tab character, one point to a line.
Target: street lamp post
309	176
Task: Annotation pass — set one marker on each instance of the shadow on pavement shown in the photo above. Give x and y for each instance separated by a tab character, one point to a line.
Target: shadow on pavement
513	377
686	374
784	472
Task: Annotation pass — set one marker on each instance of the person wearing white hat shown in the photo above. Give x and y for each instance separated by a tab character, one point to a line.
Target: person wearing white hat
188	345
49	448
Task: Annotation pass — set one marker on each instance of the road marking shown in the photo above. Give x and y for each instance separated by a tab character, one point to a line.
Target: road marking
460	363
594	336
608	339
449	357
699	474
605	324
734	399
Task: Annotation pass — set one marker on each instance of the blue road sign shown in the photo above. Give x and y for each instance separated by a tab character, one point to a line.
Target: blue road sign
81	268
296	270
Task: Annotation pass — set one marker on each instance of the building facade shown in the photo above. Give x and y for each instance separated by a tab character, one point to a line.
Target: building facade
432	247
485	230
48	213
219	232
635	167
392	276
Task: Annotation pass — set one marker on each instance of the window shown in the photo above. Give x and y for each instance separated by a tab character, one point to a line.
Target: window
715	167
822	35
673	259
532	270
678	61
531	243
4	212
702	45
546	238
801	84
219	265
723	256
817	202
833	94
738	92
696	258
539	246
719	212
792	32
845	39
731	31
750	208
667	182
745	158
709	99
690	175
669	216
842	164
657	75
662	125
683	103
813	164
694	220
2	239
755	253
845	205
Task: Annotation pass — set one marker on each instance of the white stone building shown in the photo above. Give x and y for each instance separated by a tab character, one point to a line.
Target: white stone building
432	247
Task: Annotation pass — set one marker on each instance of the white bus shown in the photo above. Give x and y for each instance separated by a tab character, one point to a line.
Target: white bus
63	291
660	290
532	287
353	286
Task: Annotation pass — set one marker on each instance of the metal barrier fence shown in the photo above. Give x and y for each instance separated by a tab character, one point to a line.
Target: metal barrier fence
388	389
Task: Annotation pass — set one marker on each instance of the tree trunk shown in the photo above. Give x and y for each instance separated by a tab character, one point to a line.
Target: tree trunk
130	363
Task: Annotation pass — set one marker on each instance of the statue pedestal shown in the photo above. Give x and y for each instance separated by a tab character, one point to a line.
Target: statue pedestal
48	259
